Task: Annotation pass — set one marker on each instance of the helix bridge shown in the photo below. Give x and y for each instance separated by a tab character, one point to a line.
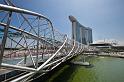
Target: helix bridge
30	45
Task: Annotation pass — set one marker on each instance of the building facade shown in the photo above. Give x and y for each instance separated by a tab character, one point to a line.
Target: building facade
80	33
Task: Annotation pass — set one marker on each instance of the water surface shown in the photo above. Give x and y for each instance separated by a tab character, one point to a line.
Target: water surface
106	69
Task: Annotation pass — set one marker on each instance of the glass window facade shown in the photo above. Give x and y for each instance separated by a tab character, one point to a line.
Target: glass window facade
80	33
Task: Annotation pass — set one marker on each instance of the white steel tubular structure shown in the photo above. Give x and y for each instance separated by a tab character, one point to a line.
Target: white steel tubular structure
30	44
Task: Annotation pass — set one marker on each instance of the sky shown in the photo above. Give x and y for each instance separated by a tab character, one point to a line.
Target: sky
105	17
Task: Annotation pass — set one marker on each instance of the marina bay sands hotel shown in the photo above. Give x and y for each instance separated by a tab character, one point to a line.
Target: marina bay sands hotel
80	33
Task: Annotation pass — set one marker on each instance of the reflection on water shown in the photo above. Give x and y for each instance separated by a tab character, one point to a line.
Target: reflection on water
105	69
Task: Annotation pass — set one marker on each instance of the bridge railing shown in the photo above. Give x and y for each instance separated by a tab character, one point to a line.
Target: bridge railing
30	43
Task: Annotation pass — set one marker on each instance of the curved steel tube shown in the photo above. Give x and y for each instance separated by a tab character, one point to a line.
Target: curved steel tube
20	10
46	63
39	68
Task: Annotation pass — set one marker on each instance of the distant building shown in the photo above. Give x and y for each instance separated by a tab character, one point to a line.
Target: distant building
80	33
102	45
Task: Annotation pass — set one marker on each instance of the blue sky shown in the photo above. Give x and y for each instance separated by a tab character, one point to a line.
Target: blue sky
105	17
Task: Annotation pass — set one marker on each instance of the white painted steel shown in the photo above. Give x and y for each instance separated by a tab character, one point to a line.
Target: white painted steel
60	46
